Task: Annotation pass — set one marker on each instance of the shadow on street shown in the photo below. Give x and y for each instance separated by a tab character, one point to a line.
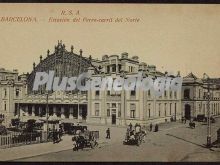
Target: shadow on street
203	146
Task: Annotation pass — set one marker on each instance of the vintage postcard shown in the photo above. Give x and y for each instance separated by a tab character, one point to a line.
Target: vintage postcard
109	82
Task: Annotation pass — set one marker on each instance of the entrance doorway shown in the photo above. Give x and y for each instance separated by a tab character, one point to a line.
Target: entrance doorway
113	118
187	111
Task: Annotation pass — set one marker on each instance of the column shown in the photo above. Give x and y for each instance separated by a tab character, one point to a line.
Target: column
71	112
62	112
54	111
33	110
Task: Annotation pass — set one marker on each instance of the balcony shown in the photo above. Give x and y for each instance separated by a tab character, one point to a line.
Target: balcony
114	98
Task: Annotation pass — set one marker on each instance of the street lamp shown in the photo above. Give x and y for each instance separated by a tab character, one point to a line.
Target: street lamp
123	75
208	113
47	117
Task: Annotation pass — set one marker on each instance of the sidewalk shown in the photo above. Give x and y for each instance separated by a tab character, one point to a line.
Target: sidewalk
14	153
35	149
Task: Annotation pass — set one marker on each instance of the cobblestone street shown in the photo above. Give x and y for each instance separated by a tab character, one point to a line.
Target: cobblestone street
174	142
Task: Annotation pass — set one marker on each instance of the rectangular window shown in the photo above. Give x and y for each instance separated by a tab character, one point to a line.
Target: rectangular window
159	109
113	105
108	105
96	112
108	93
175	108
133	93
114	68
108	109
5	92
170	108
170	94
149	110
148	92
119	113
97	93
17	92
165	109
132	110
165	93
96	109
119	110
132	114
108	112
5	106
175	95
108	69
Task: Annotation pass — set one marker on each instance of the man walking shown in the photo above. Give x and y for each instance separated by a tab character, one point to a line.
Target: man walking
151	126
108	133
156	128
130	126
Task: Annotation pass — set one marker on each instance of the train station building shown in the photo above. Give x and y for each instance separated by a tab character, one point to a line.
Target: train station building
94	106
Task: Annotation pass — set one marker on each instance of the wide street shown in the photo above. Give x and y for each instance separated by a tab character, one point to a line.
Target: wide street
175	141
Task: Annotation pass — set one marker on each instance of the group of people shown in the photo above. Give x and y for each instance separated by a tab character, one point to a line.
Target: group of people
156	128
56	135
183	119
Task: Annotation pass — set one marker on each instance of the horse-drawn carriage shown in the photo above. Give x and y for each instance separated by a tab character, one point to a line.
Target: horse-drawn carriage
134	137
71	129
88	139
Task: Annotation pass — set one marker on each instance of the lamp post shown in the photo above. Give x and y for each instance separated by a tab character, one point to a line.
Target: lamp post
47	124
78	106
123	75
208	119
78	94
208	114
104	92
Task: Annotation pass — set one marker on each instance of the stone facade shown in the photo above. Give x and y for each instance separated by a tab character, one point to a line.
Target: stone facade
104	107
194	96
12	91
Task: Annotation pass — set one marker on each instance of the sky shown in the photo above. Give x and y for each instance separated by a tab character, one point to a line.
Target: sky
183	38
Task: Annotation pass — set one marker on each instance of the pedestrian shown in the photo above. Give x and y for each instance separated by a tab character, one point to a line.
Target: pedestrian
136	125
130	126
156	128
75	146
60	134
108	133
54	136
137	128
151	126
184	120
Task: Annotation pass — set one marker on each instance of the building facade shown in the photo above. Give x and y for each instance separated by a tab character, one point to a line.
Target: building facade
194	96
13	90
105	107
